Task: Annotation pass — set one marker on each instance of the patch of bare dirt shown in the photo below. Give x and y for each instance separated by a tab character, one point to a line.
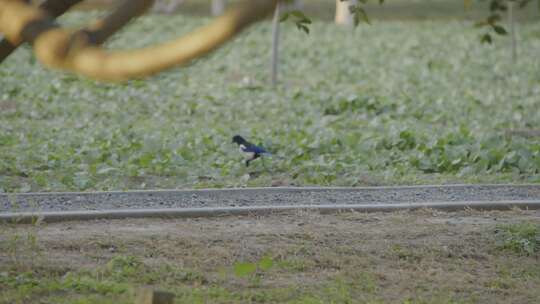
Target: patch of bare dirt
423	254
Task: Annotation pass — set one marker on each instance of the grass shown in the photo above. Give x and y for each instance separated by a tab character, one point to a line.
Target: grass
428	257
523	238
392	103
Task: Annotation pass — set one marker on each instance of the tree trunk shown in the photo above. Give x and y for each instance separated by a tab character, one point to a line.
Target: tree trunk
275	44
292	6
512	22
343	15
166	7
218	7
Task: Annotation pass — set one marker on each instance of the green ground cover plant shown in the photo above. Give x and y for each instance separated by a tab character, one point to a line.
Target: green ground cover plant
392	103
522	238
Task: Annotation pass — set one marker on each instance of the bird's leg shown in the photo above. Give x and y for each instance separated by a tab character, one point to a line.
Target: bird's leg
247	162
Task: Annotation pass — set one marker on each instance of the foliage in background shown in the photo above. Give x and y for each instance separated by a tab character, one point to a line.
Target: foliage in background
497	8
301	21
493	21
397	103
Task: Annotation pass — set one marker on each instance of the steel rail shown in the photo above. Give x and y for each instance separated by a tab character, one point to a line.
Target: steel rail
266	189
51	217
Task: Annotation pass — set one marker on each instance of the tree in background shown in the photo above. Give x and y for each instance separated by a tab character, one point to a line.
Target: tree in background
218	7
344	15
166	6
497	9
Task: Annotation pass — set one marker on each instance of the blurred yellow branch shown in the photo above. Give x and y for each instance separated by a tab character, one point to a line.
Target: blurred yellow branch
55	8
77	52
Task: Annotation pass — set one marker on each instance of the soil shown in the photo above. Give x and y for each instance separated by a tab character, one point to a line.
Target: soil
424	255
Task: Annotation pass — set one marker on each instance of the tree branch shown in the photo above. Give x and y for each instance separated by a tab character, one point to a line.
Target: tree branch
68	50
55	8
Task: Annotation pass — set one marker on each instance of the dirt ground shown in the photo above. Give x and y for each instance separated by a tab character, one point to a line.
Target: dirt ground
404	257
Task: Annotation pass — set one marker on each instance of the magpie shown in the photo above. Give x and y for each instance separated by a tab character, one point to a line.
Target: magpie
250	150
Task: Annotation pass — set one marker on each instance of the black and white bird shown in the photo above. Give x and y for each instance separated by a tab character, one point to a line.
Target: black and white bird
250	150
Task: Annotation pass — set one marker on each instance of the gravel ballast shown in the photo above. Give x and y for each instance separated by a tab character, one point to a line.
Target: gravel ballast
31	202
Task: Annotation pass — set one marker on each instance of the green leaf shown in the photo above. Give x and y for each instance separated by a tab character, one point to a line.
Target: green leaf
486	38
499	30
300	20
244	269
266	263
284	17
359	14
302	27
494	19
